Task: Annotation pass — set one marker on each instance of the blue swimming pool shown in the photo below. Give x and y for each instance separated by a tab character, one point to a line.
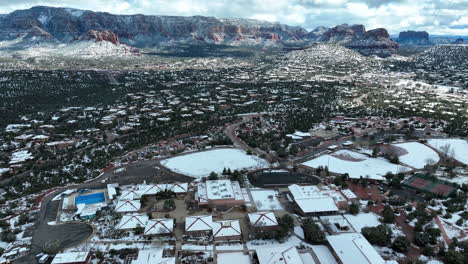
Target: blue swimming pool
90	198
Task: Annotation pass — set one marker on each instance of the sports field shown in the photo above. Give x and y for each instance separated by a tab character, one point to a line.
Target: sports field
422	183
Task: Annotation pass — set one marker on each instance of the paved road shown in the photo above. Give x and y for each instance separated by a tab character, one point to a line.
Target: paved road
230	132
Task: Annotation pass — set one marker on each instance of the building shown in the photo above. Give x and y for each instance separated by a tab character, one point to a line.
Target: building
199	224
131	221
72	258
130	195
125	207
310	200
153	189
352	248
156	227
227	230
279	255
263	220
220	194
152	256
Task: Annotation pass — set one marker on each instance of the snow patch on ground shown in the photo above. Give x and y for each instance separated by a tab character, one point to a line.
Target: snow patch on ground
372	168
458	147
201	164
418	154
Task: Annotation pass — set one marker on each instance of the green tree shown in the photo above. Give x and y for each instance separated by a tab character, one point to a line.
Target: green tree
354	209
379	235
213	176
388	215
312	231
400	244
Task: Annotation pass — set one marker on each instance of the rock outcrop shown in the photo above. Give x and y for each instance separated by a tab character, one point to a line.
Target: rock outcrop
102	36
372	42
459	41
414	38
66	25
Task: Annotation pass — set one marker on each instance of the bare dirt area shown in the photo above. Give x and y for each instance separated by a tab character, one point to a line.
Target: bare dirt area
346	157
392	149
147	170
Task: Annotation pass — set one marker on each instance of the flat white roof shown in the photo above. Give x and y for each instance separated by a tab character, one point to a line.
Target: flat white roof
352	248
70	257
260	219
218	190
152	256
317	205
279	255
313	200
198	223
226	228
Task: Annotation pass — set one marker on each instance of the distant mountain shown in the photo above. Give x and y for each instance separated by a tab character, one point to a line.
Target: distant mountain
317	32
67	25
372	42
50	25
419	38
459	41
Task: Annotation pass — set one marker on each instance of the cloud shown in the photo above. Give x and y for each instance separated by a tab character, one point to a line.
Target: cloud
434	16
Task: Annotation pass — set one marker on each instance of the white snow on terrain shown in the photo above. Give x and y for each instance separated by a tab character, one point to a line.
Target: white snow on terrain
458	148
201	164
367	167
418	154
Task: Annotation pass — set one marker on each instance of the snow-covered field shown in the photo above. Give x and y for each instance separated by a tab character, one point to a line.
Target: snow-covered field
362	220
458	147
418	154
262	199
201	164
358	165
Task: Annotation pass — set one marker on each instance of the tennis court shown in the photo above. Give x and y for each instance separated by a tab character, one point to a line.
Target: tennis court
436	186
90	198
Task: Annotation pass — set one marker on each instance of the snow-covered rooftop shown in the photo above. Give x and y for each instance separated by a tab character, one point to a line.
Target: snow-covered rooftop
313	200
352	248
198	223
128	206
71	257
159	226
219	189
278	255
226	228
260	219
153	256
132	221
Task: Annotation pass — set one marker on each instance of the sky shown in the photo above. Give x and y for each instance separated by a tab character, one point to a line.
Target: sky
438	17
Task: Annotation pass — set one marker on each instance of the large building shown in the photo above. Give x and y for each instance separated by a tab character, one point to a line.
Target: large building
152	256
227	230
311	200
72	258
279	255
352	248
198	224
221	194
157	227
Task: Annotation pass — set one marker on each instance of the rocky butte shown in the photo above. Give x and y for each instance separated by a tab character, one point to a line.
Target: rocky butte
414	38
